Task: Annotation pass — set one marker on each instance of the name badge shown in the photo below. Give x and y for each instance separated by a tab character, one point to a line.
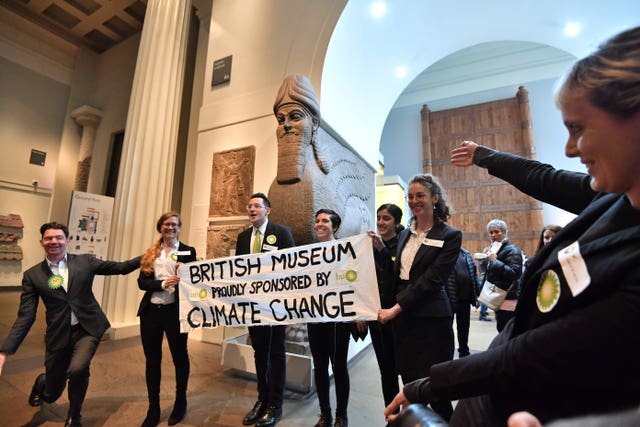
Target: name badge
182	253
574	268
433	242
268	247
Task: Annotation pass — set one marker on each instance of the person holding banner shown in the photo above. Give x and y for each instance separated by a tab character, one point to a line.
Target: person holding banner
422	316
159	316
267	341
388	218
330	342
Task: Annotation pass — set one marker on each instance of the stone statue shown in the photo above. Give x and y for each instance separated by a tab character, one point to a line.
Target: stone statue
315	170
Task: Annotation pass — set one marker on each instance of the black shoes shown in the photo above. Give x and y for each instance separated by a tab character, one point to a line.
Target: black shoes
73	421
179	411
485	318
255	414
270	418
153	416
341	421
35	398
326	420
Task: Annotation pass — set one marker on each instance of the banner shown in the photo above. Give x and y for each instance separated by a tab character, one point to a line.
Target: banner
324	282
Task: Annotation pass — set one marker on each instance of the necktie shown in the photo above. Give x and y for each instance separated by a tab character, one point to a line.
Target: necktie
257	242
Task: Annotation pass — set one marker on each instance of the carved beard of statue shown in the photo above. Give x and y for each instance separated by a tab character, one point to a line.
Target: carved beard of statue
295	133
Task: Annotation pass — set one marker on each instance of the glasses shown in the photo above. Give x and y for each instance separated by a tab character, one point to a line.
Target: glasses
254	206
416	197
170	224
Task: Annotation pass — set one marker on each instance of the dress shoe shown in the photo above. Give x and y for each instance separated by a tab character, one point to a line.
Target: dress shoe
153	416
341	421
73	421
255	414
179	411
326	420
35	398
270	418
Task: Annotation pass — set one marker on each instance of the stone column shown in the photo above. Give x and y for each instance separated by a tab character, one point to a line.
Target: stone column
88	118
149	151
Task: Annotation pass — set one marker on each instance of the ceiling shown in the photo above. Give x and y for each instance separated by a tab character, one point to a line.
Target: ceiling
94	24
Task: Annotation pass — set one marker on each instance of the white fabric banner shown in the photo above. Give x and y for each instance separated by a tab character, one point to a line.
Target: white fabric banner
323	282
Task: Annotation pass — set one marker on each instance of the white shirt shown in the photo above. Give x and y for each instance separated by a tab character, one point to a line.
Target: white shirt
163	267
263	230
410	250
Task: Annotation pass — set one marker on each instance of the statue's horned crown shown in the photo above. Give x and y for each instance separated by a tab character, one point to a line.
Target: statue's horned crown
297	89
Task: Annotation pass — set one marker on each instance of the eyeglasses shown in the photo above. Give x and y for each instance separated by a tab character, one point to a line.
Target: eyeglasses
416	197
170	224
254	206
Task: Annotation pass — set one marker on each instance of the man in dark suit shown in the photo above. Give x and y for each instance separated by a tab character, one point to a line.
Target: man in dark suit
75	321
267	341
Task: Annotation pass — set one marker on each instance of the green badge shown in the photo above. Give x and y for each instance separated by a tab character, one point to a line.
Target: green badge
174	257
55	281
548	291
202	294
352	275
271	239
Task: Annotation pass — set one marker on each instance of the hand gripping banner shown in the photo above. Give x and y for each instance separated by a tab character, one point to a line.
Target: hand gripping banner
323	282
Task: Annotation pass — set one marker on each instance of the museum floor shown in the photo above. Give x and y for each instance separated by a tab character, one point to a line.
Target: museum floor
117	393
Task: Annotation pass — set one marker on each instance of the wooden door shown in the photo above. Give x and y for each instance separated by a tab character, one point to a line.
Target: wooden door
476	196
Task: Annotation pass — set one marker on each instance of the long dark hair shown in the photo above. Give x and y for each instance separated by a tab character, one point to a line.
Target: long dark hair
395	212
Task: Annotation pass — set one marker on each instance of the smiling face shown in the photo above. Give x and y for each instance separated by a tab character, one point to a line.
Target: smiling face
421	202
257	211
386	224
323	227
608	145
170	229
54	243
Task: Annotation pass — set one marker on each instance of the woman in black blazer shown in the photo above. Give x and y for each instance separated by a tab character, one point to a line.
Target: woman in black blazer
159	315
422	316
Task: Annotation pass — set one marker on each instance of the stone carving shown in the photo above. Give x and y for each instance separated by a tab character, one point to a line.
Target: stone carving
314	169
221	238
10	231
231	181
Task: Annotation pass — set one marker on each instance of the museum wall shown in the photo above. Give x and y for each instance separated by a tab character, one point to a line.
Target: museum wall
43	80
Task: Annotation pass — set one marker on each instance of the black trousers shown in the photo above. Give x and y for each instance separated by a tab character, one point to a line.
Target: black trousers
70	363
382	340
463	319
271	363
329	342
155	322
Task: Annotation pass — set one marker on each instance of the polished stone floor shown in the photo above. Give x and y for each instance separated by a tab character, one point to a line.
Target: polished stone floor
117	394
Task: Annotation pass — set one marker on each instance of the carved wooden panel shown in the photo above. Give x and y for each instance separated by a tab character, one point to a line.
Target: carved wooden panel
222	238
476	196
231	181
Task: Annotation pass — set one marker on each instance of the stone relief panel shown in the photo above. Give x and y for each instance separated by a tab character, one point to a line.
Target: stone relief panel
222	237
231	181
10	232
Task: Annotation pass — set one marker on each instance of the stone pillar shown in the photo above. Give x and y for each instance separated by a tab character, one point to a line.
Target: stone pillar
88	118
149	151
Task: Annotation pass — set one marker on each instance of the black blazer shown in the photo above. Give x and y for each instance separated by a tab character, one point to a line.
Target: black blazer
148	282
281	233
426	295
59	303
577	357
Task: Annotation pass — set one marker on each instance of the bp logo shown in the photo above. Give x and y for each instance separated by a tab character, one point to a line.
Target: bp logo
174	257
548	291
202	294
55	281
351	275
271	239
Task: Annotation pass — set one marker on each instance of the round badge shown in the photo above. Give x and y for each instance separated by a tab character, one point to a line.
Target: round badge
202	293
271	239
174	257
352	275
55	281
548	291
